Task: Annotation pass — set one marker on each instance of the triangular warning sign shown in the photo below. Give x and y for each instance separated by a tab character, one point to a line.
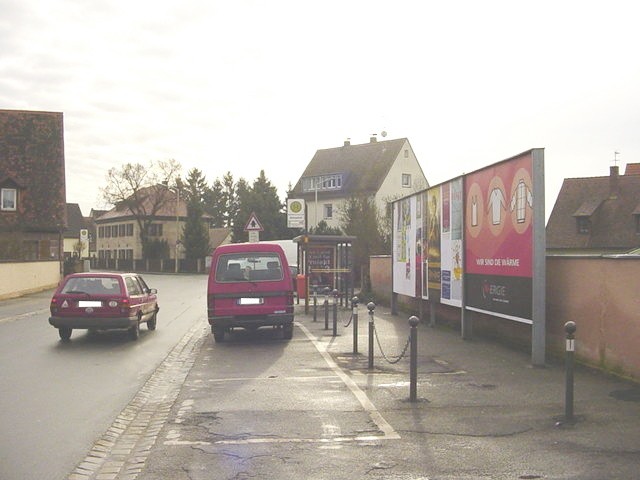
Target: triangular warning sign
253	225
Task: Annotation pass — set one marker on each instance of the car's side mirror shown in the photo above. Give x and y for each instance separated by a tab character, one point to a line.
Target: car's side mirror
153	290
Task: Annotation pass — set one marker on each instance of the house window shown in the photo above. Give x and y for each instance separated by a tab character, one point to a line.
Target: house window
107	232
122	230
114	230
406	153
406	180
584	225
9	199
328	210
129	229
155	230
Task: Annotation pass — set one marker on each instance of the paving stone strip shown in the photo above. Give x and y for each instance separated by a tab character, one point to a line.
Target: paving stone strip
120	454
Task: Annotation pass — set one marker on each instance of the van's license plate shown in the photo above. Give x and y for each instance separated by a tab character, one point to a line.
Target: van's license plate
250	301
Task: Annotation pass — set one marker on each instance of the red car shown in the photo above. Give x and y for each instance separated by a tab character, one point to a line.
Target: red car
103	301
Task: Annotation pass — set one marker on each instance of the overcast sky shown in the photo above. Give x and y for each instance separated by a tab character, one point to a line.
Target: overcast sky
242	86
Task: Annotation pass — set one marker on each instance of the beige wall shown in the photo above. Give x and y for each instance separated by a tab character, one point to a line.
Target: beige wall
601	295
27	277
133	241
392	188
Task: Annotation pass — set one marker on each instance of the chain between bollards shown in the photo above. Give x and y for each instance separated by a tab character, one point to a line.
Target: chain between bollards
570	329
371	307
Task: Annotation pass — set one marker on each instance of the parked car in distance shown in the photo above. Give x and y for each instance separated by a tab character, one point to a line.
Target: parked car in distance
250	286
103	301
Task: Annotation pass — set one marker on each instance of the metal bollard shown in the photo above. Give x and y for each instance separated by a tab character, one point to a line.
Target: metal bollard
371	306
354	309
326	307
570	329
335	312
315	302
413	359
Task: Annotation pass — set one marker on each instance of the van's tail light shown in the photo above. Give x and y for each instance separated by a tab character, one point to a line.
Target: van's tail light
290	302
210	305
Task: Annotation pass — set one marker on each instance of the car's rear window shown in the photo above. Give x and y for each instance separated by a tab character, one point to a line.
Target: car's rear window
92	286
251	266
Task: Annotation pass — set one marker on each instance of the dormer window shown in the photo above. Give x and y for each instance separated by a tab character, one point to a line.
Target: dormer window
584	225
322	183
8	199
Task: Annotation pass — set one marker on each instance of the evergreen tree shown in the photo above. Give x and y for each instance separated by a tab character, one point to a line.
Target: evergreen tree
262	199
360	218
195	236
214	204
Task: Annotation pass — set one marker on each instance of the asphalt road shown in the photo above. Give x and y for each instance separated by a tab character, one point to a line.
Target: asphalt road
57	398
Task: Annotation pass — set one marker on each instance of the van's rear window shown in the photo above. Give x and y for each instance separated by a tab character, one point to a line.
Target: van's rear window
253	267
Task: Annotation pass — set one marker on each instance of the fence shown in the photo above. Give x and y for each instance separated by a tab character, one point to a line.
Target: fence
598	293
150	265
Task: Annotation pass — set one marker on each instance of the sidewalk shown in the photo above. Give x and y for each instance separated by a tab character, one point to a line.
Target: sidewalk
482	412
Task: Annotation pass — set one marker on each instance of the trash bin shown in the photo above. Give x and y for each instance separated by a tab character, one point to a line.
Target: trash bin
301	285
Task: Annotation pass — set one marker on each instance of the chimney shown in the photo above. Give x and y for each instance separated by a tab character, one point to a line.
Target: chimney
614	176
373	138
347	142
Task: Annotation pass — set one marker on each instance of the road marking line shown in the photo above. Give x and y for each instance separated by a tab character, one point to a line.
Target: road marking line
369	407
23	315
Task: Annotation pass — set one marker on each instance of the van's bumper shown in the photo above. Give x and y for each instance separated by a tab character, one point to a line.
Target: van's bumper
251	321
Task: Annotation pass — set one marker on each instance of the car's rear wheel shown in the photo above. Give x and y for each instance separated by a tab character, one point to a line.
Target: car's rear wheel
218	334
134	332
65	333
287	331
153	322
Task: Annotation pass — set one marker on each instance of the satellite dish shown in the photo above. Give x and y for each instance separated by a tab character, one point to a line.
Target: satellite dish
383	133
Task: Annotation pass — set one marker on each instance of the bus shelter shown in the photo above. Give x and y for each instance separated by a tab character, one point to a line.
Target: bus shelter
325	261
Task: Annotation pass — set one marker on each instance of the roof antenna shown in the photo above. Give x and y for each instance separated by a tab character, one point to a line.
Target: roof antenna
615	158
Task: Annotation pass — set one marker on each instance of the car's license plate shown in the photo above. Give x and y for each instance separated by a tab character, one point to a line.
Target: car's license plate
250	301
89	303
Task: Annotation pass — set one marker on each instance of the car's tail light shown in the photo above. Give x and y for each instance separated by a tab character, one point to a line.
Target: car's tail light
125	305
54	305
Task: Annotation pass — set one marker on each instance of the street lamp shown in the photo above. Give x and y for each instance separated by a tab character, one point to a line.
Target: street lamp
177	222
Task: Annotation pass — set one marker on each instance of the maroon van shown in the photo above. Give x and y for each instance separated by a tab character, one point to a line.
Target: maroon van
250	286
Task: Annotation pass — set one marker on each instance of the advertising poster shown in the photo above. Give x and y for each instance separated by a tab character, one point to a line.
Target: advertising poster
434	225
451	244
420	216
404	251
499	239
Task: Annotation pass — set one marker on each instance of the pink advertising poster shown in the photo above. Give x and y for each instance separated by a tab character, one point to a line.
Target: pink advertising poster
499	238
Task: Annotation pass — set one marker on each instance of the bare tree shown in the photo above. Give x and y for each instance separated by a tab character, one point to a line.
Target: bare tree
143	190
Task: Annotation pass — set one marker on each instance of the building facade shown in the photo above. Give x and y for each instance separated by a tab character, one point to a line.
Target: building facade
380	170
32	185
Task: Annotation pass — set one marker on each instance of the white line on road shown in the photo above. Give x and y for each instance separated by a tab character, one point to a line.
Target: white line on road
369	407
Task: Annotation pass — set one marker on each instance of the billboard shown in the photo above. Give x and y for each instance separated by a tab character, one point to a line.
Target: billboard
405	250
499	239
451	253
